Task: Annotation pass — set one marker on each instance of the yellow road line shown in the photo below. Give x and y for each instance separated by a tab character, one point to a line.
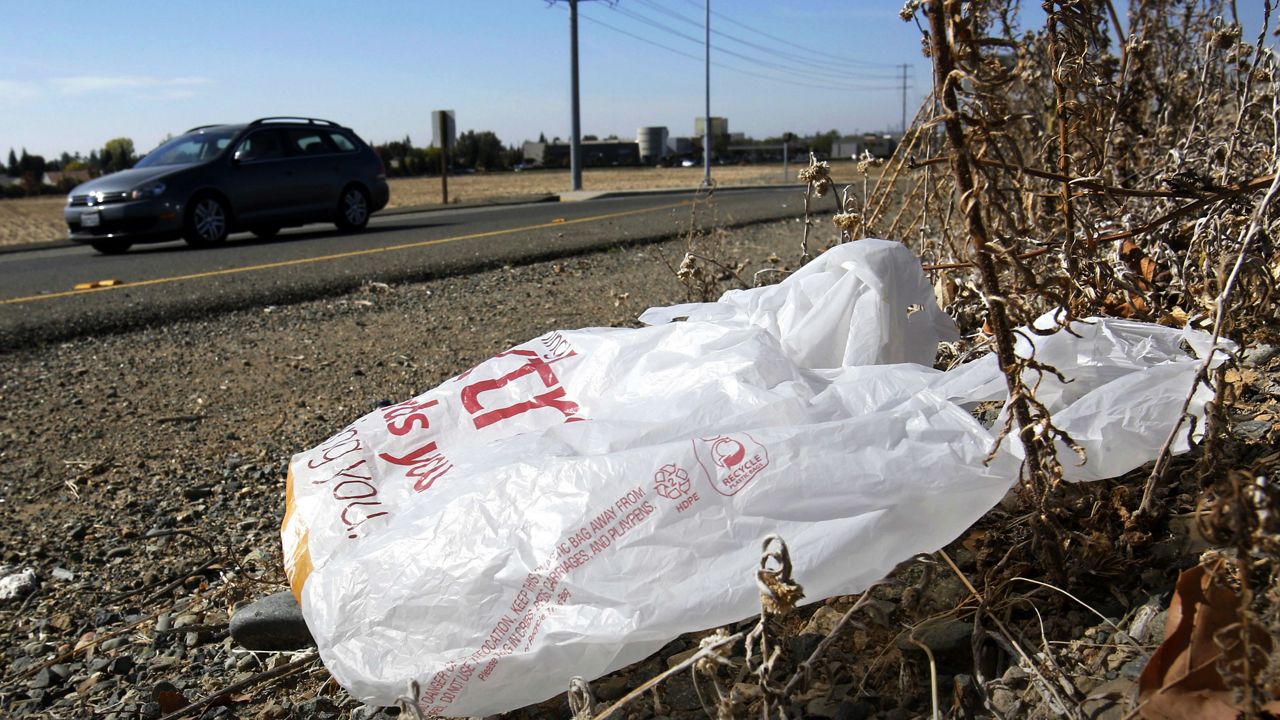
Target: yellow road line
559	223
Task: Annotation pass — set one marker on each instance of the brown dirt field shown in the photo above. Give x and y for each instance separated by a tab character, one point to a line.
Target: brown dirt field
32	220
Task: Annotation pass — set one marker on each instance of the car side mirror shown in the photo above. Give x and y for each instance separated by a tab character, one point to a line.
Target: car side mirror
237	157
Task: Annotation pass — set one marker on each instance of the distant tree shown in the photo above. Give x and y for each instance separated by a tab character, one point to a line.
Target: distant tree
542	138
821	143
512	156
719	145
589	138
118	154
424	161
395	156
12	168
480	150
33	165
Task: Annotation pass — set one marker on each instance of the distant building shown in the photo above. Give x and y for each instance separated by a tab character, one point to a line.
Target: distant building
683	147
719	126
880	145
56	178
652	142
600	153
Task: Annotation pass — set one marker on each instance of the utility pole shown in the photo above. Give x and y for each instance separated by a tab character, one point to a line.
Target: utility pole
575	139
706	130
904	99
575	136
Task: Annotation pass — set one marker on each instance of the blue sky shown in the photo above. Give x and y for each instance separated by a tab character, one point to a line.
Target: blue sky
75	74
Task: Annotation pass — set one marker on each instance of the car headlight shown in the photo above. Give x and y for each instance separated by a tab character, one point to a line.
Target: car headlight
150	190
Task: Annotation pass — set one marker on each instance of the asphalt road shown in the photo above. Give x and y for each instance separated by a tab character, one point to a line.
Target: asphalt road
162	282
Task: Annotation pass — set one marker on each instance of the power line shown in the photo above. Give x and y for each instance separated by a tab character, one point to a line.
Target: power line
815	58
809	72
829	58
757	75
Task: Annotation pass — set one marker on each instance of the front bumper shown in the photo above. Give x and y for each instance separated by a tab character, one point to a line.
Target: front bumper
137	221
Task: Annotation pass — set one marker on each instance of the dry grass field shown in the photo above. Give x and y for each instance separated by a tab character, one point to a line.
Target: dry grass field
40	219
32	220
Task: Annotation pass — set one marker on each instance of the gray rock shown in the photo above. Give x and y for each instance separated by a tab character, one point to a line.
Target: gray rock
823	621
16	583
63	574
1148	623
48	677
679	694
1260	355
1252	429
113	643
197	493
610	688
1110	701
1133	669
272	623
1005	702
939	636
120	665
317	709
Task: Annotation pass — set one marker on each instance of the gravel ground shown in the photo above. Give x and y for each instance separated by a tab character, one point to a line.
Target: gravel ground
142	474
141	478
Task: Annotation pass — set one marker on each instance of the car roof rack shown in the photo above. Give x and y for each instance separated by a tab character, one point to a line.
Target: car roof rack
291	118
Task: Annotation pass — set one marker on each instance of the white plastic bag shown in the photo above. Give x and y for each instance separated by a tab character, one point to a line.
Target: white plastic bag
572	504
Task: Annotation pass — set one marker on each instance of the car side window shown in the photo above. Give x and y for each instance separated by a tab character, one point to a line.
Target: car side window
307	142
260	145
342	142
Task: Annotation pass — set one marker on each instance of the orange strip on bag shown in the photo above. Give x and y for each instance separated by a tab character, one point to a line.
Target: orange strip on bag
297	559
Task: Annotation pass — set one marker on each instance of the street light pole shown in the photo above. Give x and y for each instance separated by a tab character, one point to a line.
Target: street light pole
575	140
706	130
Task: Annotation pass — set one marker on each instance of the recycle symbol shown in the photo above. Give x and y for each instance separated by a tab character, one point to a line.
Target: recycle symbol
671	481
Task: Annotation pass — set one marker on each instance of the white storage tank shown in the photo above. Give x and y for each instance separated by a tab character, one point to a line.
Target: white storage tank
653	144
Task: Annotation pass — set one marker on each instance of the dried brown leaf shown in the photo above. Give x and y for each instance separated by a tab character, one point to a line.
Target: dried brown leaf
1203	633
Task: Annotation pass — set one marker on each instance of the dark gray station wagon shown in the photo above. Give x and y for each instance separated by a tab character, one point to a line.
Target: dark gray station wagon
217	179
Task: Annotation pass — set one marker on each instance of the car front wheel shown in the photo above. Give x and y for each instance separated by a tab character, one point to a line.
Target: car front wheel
207	222
353	209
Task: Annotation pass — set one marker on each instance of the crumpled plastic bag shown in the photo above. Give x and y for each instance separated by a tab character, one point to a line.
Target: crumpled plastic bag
572	504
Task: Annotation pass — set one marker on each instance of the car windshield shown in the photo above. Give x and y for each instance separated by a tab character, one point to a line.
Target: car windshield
190	148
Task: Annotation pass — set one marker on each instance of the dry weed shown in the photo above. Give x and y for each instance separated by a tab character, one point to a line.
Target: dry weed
1096	165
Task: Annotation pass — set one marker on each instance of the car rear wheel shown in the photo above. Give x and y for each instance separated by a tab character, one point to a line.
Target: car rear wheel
206	223
111	247
353	209
266	233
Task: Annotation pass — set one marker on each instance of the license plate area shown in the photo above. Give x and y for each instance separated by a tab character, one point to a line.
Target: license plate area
90	219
